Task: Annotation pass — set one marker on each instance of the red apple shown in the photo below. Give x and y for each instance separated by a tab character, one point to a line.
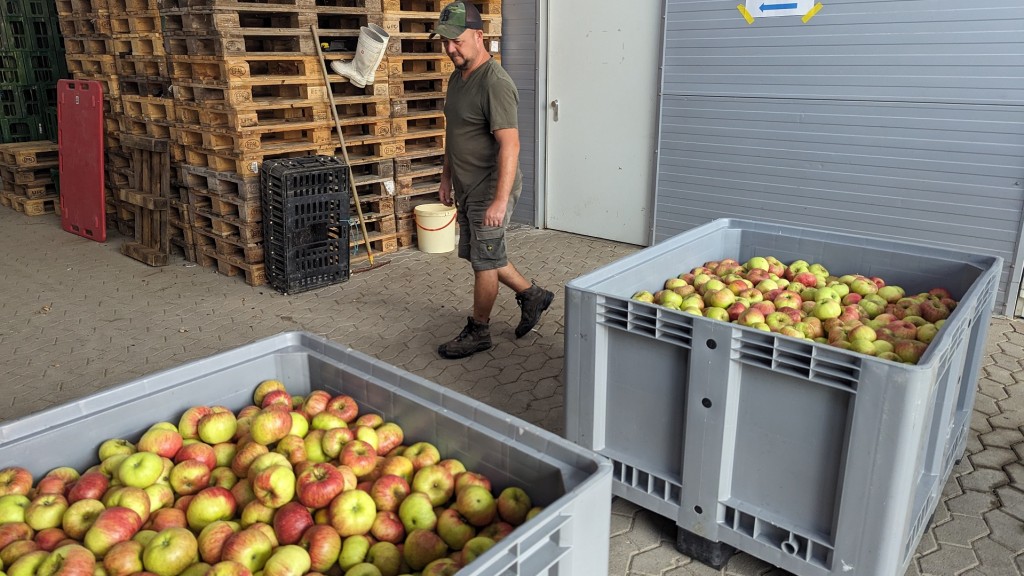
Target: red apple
124	558
15	480
208	506
359	456
318	484
113	525
323	544
68	560
188	424
197	451
290	521
91	485
345	406
212	537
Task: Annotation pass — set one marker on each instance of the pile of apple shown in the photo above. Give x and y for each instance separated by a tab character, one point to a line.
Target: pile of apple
803	300
288	486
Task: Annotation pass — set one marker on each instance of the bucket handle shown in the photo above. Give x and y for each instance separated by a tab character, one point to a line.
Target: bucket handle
454	215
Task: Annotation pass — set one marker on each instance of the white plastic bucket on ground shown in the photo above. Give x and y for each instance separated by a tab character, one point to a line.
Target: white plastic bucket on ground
435	228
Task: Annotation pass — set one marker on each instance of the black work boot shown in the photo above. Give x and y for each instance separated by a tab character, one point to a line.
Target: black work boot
533	301
475	337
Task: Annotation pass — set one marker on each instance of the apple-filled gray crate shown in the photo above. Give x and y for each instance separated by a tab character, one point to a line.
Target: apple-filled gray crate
573	485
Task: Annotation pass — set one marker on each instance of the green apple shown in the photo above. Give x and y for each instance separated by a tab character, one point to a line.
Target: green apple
170	552
352	512
353	550
12	507
287	560
417	512
140	469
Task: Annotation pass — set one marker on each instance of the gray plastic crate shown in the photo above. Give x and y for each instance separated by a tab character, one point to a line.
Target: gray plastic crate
569	537
818	460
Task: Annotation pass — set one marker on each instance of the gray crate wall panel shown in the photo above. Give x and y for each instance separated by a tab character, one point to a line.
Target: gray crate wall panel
939	174
519	57
904	50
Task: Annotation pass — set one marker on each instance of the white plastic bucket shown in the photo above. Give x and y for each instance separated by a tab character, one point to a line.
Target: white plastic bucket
435	228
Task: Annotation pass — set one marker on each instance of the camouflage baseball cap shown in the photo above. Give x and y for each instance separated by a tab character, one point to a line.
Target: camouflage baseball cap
456	18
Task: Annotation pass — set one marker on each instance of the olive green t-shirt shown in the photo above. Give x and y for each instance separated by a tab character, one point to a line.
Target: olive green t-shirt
474	109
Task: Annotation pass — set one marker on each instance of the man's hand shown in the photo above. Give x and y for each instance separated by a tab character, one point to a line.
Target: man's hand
446	193
495	215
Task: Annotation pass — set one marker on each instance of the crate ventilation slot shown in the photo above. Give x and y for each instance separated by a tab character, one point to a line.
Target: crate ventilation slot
811	550
648	483
799	359
646	320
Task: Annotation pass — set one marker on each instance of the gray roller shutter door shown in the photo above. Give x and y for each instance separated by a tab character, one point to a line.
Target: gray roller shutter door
519	57
901	119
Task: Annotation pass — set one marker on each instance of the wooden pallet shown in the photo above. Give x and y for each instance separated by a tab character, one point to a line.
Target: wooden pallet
254	274
245	42
358	130
131	65
225	226
132	6
150	128
379	243
234	70
86	25
268	140
150	87
147	199
252	94
225	206
425	161
355	109
373	150
273	115
91	65
137	45
229	246
142	23
42	189
416	65
219	182
421	123
84	45
366	170
418	184
423	142
29	155
149	108
34	206
435	6
405	206
377	223
29	176
428	85
417	104
419	24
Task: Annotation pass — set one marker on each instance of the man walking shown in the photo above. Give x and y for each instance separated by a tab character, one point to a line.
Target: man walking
481	176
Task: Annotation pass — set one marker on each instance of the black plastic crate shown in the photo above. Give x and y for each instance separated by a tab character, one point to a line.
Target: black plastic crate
305	222
29	33
21	130
37	8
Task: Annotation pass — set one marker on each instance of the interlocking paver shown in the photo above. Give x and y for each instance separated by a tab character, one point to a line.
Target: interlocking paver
995	558
1006	530
993	458
948	561
972	503
984	480
961	531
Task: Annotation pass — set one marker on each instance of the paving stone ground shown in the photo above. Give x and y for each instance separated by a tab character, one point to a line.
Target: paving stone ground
77	317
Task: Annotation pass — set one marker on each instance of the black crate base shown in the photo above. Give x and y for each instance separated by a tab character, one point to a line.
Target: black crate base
714	554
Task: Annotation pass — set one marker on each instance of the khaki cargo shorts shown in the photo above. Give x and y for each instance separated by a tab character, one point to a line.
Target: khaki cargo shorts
483	246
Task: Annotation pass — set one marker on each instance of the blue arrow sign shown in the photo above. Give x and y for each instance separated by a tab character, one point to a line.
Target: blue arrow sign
788	6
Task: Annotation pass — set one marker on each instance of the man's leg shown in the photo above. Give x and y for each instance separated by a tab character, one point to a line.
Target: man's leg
510	276
485	292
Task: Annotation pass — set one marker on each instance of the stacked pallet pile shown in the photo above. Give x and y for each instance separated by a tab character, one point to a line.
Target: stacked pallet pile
230	84
26	176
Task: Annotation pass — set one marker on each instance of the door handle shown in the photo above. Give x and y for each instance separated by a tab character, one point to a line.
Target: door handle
554	108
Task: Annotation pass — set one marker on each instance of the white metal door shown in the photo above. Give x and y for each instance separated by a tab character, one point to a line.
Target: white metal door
603	59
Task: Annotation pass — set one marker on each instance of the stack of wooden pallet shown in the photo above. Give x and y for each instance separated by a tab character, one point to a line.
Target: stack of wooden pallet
26	175
418	72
